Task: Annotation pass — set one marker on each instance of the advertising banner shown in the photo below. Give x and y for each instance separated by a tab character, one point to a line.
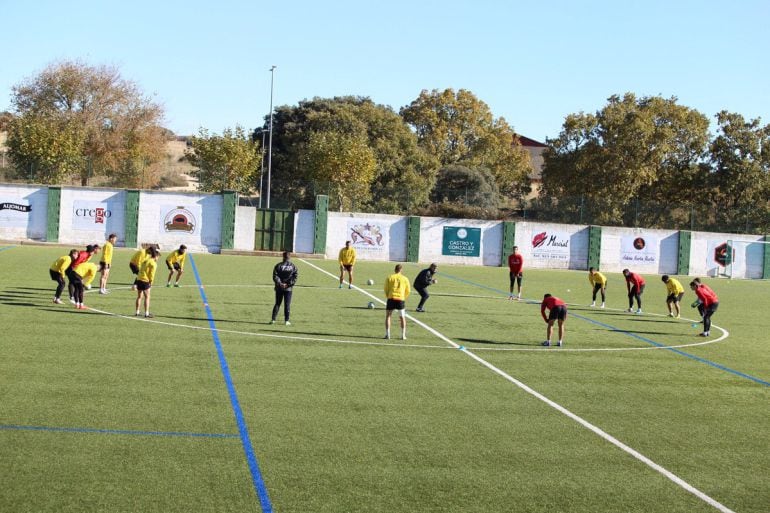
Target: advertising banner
639	250
180	219
550	245
96	215
368	236
14	212
460	241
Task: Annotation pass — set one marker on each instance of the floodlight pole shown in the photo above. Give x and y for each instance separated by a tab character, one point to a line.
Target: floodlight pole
270	142
262	168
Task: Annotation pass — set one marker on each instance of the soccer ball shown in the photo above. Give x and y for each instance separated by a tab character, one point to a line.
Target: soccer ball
370	282
370	306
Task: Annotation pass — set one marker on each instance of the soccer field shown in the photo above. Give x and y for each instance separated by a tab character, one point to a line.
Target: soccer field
208	408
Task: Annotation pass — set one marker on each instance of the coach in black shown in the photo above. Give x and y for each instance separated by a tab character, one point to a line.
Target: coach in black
284	277
424	280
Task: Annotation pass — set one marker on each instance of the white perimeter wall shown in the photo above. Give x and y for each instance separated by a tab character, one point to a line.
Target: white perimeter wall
304	231
666	257
208	218
78	223
376	236
432	237
16	225
702	261
245	224
573	255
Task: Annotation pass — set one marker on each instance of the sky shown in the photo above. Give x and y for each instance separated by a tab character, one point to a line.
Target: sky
532	63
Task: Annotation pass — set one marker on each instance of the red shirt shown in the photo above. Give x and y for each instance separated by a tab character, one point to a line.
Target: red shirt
82	257
515	262
634	279
550	303
707	296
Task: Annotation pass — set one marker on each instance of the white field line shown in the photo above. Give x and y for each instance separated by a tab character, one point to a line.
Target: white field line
725	333
561	409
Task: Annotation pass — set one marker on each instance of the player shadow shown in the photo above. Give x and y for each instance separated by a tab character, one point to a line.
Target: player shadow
187	318
12	302
496	342
65	310
280	328
638	332
32	288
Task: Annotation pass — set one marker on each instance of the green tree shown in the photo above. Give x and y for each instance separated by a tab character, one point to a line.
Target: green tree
458	128
634	151
341	165
740	178
404	173
226	162
46	150
114	121
463	185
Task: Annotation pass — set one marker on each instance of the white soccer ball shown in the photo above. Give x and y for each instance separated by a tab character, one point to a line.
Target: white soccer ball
370	306
435	281
370	282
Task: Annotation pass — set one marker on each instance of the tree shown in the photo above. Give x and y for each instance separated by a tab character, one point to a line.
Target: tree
646	150
341	165
463	185
118	124
404	173
740	178
458	128
45	149
226	162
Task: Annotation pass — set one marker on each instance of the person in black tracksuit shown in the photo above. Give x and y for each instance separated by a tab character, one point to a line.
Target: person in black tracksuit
284	277
424	280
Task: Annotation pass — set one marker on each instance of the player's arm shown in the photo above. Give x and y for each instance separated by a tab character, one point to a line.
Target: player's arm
542	311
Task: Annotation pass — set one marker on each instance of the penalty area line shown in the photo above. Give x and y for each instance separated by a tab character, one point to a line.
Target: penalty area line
561	409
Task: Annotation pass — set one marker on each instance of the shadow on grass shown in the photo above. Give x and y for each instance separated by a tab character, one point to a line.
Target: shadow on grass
495	342
11	302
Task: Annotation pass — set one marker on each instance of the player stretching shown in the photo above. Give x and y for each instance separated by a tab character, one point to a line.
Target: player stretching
515	266
424	280
396	291
707	304
58	272
144	280
599	283
675	294
347	259
106	262
557	311
635	285
175	262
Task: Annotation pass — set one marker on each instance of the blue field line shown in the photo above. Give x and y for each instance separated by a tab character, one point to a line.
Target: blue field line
633	335
182	434
6	247
256	475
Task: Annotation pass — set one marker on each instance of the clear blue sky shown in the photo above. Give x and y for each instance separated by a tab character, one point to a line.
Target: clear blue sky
531	62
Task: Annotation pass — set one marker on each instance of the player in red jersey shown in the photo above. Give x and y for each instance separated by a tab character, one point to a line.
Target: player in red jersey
707	304
557	311
635	285
515	266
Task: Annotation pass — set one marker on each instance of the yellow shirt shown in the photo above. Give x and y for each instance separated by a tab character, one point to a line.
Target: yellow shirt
139	257
674	287
61	264
597	277
175	257
147	270
397	287
347	256
107	253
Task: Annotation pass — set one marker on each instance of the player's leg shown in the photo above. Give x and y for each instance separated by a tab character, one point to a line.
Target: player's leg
277	305
179	273
138	301
147	302
549	330
402	317
350	277
342	274
286	305
519	279
388	315
561	330
512	278
90	274
423	298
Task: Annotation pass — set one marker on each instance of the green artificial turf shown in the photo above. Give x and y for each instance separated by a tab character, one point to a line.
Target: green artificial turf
102	411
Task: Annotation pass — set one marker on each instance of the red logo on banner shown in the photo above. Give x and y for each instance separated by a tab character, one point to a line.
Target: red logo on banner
99	217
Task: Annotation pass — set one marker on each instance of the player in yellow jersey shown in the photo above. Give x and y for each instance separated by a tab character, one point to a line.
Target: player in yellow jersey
58	271
175	262
396	291
347	259
106	262
599	283
136	262
144	280
675	294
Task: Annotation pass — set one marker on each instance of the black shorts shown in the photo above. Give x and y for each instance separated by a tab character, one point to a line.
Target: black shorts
395	304
143	285
597	287
347	267
103	266
558	313
674	298
516	277
175	267
134	268
56	276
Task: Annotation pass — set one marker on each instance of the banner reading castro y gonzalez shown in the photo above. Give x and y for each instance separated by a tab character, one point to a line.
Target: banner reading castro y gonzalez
460	241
